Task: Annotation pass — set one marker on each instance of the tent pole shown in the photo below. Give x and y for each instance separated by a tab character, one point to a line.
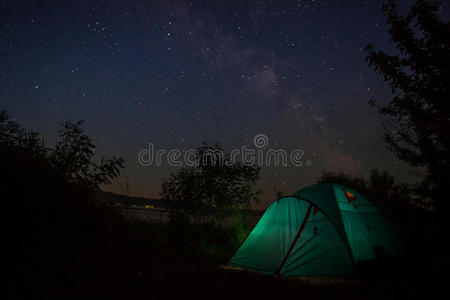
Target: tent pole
277	272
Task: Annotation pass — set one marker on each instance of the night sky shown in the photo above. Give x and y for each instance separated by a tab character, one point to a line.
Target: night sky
179	73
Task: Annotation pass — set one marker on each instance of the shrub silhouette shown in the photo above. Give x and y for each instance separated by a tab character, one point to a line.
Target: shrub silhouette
211	191
206	202
26	161
49	218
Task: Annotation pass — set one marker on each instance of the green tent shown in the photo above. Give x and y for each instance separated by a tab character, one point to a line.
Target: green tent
323	229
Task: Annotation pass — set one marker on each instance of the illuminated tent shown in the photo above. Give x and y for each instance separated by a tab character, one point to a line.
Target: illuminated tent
323	229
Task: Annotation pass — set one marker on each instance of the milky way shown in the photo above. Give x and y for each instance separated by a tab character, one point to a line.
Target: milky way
178	73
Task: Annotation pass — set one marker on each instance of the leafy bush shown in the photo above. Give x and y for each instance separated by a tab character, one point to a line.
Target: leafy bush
48	217
67	169
212	191
206	202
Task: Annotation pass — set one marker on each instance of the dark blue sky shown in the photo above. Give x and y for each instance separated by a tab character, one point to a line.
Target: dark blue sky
181	72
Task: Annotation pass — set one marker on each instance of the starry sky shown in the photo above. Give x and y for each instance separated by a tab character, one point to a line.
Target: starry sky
177	73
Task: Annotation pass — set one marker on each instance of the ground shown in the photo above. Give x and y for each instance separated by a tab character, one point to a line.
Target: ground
108	256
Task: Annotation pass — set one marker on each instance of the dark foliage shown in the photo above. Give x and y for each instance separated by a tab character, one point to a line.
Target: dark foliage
48	218
417	131
211	191
70	163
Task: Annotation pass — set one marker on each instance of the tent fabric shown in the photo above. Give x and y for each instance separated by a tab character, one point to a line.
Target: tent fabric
323	229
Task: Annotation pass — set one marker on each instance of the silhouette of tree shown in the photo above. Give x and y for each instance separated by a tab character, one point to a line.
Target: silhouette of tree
212	190
73	157
48	222
26	160
417	130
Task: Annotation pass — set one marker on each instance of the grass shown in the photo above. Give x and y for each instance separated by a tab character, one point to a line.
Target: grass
97	253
